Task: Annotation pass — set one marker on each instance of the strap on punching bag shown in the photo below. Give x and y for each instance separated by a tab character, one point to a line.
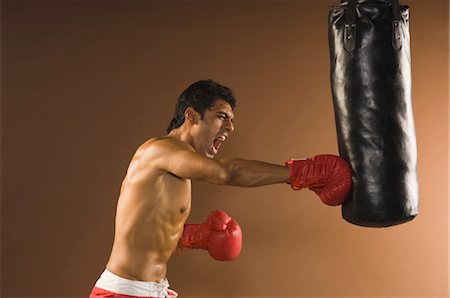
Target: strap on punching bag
396	16
350	25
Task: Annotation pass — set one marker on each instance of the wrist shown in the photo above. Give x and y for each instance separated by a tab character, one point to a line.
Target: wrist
295	170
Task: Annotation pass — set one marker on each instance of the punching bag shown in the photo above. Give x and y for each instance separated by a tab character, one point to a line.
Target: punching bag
371	88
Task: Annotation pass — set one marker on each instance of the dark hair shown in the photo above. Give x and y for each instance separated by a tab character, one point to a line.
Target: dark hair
200	96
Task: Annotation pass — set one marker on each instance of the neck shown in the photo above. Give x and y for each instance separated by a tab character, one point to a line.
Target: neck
183	134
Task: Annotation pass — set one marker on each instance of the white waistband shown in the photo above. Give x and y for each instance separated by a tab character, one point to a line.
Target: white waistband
113	283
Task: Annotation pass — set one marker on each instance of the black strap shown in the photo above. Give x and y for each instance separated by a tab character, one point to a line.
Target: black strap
350	13
396	14
350	26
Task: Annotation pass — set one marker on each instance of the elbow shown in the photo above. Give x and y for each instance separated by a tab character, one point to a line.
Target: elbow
226	175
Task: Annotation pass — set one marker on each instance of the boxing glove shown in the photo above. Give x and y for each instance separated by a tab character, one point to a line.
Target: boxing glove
220	235
329	176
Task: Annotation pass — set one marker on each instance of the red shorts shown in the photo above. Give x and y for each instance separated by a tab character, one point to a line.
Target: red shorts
110	285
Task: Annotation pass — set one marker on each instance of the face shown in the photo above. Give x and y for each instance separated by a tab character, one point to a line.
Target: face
214	128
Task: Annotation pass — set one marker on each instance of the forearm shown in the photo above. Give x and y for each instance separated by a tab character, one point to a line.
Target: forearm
251	173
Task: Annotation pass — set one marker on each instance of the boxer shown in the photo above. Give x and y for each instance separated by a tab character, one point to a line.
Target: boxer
155	196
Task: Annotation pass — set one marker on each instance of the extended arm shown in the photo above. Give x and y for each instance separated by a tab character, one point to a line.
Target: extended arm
238	172
327	175
183	162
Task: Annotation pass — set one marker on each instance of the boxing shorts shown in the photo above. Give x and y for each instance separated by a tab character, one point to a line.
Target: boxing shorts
110	285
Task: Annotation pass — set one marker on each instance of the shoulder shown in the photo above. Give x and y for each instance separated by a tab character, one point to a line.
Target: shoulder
163	146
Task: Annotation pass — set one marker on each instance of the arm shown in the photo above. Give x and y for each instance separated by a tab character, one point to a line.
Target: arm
327	175
184	162
251	173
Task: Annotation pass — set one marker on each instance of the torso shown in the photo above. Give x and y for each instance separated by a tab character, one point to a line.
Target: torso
152	209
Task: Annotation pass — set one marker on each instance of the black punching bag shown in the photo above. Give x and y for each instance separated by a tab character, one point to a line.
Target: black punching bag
371	88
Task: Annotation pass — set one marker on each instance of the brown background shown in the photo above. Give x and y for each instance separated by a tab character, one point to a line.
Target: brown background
84	83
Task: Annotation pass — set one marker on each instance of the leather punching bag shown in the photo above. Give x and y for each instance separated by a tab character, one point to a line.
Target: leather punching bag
371	88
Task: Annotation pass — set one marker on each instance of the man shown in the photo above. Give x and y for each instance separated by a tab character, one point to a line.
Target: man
155	197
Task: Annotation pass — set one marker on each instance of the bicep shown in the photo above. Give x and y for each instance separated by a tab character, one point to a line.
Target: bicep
190	165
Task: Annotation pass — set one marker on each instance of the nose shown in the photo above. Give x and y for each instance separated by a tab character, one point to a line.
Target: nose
230	126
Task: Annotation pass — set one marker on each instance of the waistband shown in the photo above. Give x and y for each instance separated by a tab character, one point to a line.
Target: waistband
113	283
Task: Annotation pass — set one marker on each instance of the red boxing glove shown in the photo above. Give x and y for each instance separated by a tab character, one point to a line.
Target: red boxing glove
220	235
327	175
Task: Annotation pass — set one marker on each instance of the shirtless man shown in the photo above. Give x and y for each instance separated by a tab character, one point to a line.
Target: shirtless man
155	197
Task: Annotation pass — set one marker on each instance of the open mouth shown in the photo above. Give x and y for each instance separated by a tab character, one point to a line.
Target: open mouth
214	149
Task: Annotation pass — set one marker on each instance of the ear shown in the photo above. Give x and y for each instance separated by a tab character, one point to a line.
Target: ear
191	115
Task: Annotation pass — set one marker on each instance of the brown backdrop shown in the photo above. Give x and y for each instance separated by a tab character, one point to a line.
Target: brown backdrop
84	83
